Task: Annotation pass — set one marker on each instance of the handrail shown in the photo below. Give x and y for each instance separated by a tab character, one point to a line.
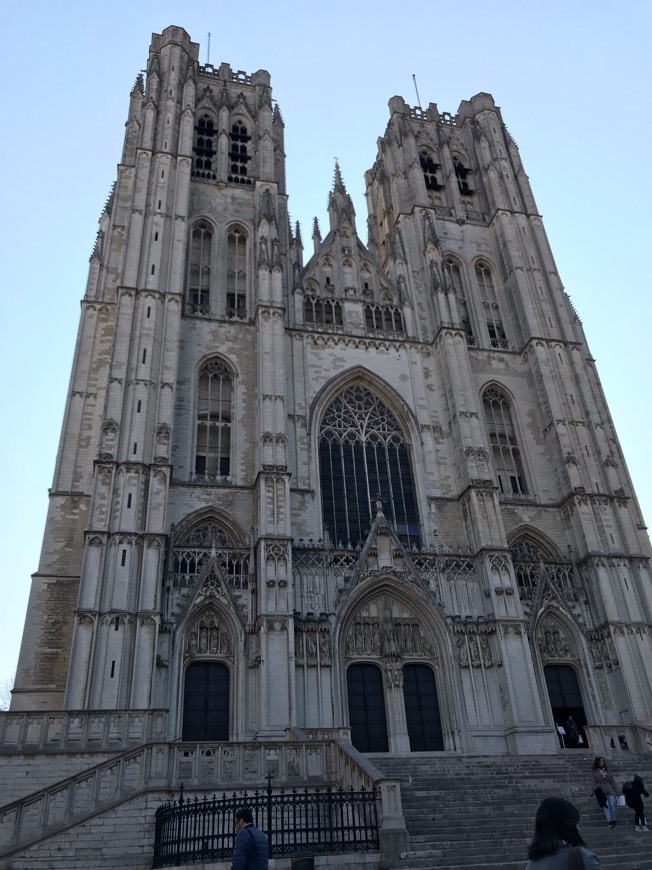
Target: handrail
635	739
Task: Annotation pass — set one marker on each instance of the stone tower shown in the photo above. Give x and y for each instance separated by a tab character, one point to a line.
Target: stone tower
379	491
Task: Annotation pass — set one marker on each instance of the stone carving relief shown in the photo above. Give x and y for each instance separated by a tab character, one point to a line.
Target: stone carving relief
208	635
552	640
474	648
384	628
603	651
312	645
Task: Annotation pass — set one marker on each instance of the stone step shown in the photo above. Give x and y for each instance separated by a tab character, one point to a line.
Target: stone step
479	813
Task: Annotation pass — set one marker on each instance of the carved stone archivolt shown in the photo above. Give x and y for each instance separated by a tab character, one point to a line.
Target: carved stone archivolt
208	635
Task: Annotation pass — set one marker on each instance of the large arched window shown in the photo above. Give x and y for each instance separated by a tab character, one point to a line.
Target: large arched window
236	273
199	269
214	400
363	455
504	446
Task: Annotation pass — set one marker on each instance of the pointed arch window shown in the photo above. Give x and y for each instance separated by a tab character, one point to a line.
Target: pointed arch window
204	148
362	455
236	273
214	406
383	318
453	283
504	446
486	286
323	312
199	269
239	155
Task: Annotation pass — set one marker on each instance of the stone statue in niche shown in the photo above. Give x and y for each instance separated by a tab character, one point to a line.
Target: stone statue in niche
463	652
311	649
485	649
475	652
298	646
324	648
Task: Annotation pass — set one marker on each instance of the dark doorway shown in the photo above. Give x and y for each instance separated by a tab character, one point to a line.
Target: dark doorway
206	702
422	709
566	700
367	708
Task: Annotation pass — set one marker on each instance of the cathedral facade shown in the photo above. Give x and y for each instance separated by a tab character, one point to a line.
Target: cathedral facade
373	488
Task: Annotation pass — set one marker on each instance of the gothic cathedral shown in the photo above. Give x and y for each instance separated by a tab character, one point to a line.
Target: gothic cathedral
371	490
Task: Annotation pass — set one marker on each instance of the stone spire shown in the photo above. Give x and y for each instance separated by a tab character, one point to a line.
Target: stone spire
340	204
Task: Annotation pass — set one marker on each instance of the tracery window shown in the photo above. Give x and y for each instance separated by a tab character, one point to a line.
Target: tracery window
236	273
383	318
238	153
531	560
462	174
362	455
504	446
192	551
495	328
430	168
453	282
327	312
199	269
203	149
214	401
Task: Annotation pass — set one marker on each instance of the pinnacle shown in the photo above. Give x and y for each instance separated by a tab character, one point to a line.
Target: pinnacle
139	85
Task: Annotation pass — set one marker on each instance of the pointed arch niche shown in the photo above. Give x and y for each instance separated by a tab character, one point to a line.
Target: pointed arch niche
393	689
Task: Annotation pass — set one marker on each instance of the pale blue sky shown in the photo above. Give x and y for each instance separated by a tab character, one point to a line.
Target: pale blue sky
572	80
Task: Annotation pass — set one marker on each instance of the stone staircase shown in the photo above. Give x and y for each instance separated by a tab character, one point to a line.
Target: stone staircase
479	812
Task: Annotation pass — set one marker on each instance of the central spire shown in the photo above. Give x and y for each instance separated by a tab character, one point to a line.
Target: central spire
340	204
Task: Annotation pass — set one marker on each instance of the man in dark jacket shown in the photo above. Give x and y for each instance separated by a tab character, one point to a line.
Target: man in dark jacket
251	850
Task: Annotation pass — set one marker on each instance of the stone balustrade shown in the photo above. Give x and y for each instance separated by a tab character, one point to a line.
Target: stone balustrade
79	731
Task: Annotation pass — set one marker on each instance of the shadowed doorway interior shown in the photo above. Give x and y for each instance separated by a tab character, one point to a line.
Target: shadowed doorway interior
367	708
206	702
422	709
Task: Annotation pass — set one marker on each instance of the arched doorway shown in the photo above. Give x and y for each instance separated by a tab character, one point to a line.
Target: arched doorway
206	702
367	708
566	700
422	709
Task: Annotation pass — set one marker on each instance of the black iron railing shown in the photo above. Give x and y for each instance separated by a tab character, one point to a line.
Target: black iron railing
310	820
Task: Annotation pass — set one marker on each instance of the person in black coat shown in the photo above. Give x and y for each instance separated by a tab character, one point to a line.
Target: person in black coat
634	792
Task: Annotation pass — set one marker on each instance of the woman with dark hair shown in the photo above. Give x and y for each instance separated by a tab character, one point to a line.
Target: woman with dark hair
557	844
604	780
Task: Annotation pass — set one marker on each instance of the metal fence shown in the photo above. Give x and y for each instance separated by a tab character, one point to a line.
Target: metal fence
309	820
